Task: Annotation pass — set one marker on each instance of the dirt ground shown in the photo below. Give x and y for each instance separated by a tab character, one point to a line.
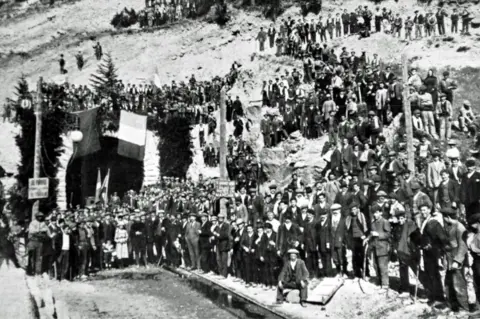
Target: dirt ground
165	297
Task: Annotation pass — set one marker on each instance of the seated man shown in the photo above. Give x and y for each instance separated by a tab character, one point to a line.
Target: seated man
294	275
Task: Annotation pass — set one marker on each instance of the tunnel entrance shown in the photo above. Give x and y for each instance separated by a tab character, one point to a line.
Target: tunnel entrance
125	173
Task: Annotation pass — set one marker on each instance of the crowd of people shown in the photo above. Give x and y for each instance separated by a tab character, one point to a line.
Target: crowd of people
353	224
366	211
355	96
157	13
294	38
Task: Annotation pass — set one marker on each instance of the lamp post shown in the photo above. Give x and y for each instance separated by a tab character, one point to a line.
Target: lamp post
76	136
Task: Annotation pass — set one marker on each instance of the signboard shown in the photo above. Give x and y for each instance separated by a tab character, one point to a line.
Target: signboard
225	188
37	188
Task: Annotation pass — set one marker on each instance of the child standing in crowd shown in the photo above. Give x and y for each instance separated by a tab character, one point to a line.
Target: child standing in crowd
108	251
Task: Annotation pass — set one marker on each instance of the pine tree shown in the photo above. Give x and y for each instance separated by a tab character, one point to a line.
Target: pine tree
105	80
21	90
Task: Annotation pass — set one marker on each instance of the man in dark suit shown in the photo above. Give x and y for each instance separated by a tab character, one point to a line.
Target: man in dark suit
433	240
448	195
294	275
309	245
343	198
457	170
268	254
256	207
192	231
204	242
323	234
289	236
387	75
470	189
224	244
379	245
337	239
161	231
293	209
150	227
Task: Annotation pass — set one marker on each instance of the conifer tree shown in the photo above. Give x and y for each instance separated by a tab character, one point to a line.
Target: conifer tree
104	81
21	90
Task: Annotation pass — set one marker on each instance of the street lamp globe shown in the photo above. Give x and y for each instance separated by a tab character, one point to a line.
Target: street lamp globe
76	136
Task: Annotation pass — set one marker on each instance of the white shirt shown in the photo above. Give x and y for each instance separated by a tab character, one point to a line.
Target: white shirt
275	224
293	264
65	241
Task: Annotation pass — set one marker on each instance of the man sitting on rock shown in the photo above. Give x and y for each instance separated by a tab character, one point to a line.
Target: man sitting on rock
294	275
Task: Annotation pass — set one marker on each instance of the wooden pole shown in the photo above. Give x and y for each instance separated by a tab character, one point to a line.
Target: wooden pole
223	136
407	111
38	142
223	147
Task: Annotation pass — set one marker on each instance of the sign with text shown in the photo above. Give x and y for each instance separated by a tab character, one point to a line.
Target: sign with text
37	188
225	188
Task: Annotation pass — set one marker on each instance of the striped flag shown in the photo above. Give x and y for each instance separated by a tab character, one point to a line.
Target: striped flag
98	188
132	135
104	188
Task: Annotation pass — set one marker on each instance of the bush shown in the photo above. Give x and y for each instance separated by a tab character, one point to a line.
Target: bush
124	19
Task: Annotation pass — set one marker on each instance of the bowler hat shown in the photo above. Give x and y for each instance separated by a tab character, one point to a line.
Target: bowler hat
336	207
292	251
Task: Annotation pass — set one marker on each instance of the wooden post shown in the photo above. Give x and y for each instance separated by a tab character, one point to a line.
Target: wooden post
38	141
223	146
407	111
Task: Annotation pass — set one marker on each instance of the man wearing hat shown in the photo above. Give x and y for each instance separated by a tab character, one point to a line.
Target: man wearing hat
256	206
457	170
192	231
343	198
470	189
448	195
336	240
241	210
452	150
38	233
378	239
444	114
289	236
456	254
466	118
417	121
433	174
222	234
407	252
238	233
204	243
356	228
419	198
268	255
425	103
432	243
294	275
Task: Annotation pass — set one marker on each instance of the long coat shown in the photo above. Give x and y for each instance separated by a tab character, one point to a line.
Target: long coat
381	244
121	239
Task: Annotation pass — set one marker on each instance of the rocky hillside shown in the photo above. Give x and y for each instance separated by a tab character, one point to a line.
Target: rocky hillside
31	45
